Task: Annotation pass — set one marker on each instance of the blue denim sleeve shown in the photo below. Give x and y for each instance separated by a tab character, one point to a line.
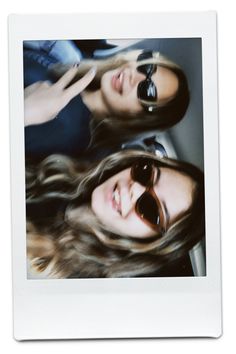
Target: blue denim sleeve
62	51
69	133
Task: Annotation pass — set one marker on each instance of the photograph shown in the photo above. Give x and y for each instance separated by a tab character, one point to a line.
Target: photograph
115	176
114	158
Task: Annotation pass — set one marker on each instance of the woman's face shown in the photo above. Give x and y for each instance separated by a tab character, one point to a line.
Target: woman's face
119	88
113	202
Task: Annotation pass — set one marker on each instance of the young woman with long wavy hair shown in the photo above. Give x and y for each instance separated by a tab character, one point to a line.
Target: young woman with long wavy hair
129	215
99	102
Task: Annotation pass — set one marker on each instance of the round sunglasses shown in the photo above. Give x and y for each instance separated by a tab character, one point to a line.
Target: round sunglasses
147	91
147	206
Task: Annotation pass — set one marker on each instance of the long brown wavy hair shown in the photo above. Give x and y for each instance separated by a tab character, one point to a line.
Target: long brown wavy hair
65	239
111	130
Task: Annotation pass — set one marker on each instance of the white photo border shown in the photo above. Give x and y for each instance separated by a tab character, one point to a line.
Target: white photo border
116	308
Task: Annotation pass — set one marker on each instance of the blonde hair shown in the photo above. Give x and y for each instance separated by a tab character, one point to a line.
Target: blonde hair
72	242
110	63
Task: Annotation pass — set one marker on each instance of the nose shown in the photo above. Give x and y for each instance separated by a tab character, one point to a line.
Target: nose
137	77
130	198
134	76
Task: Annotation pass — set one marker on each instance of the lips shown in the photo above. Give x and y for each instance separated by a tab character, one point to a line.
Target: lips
117	82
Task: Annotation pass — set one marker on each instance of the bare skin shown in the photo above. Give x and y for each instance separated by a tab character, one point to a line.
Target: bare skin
113	202
116	96
44	100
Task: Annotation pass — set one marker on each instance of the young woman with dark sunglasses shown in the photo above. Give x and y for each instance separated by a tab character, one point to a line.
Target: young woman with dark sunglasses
129	215
130	93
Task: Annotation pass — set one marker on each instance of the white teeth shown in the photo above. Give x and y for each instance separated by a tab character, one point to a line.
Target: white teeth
117	197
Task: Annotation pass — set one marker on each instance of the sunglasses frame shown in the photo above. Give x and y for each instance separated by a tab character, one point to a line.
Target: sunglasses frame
148	73
149	189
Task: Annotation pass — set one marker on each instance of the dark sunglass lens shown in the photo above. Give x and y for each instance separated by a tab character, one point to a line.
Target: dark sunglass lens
147	91
145	56
142	172
147	208
147	69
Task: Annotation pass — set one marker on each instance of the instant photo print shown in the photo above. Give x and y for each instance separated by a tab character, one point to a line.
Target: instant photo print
115	176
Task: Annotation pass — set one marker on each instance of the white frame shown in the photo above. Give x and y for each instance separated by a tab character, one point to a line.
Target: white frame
116	308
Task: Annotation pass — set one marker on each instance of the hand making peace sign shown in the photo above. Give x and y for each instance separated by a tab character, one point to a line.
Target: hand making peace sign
44	100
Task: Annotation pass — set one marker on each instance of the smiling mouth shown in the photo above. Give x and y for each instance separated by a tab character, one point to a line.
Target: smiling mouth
117	82
116	200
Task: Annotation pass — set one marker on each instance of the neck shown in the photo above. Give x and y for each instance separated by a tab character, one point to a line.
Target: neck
94	101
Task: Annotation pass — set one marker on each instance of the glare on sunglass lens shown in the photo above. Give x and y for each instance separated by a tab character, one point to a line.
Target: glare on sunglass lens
147	91
142	172
147	69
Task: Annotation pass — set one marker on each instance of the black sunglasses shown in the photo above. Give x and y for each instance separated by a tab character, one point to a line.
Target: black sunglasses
148	206
147	91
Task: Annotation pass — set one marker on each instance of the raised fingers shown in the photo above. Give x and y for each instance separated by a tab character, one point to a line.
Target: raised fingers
67	77
81	84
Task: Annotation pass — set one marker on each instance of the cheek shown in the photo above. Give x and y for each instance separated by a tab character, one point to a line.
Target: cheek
97	200
105	80
133	226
